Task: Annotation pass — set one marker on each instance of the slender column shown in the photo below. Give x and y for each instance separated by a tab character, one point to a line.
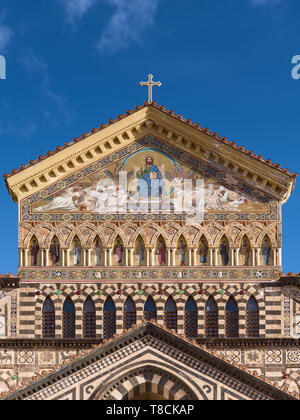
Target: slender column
216	256
190	257
280	257
26	257
232	257
211	255
126	257
110	257
131	257
174	257
258	256
68	257
148	257
84	257
238	256
153	257
253	258
275	257
105	257
195	257
21	258
42	257
169	257
89	257
47	258
63	257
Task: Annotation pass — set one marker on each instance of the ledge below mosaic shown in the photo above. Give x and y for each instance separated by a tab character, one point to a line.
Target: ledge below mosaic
107	274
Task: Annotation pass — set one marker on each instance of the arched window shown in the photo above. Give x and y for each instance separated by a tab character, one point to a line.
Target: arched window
190	318
150	310
171	314
252	318
68	319
129	317
109	327
211	318
48	319
89	319
232	319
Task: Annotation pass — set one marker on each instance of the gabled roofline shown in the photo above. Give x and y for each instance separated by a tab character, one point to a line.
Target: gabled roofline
174	340
163	109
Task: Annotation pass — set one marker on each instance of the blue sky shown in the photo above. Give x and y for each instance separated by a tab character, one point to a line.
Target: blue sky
73	64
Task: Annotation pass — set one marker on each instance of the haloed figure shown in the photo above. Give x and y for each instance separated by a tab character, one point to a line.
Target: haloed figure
203	250
118	252
34	251
182	251
245	251
266	251
140	253
161	251
97	252
77	253
224	251
54	252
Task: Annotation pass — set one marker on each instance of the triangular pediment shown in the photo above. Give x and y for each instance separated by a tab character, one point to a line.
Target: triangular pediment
174	132
149	358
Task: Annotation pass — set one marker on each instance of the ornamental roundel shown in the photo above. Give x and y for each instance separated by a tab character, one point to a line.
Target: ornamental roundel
294	356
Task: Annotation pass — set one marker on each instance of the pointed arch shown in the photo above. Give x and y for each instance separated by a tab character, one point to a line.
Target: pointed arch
150	312
109	318
232	319
190	318
170	314
89	319
140	252
211	319
68	319
252	318
129	314
48	319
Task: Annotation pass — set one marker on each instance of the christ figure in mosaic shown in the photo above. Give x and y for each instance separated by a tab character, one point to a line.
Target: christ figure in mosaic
140	253
118	252
147	174
161	251
182	251
77	253
34	251
54	252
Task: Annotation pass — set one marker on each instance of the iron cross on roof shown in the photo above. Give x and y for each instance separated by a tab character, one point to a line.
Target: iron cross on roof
150	85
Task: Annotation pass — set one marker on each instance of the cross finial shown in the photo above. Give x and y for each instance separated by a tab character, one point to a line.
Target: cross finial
150	85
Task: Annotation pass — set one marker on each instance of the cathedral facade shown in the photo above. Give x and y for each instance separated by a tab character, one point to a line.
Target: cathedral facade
150	267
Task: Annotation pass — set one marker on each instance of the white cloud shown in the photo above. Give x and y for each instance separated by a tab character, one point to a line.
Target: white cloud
130	18
6	34
76	9
35	65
